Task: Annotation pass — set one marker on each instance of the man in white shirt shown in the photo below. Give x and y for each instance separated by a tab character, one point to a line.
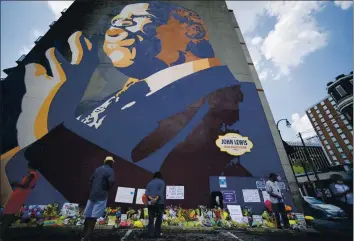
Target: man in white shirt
342	194
276	199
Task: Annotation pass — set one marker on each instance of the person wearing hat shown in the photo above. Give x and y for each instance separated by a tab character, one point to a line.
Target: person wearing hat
102	181
276	199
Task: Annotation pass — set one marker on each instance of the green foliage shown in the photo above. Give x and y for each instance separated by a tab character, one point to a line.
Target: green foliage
298	169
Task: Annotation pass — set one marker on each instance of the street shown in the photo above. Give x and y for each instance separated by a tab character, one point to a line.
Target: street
240	235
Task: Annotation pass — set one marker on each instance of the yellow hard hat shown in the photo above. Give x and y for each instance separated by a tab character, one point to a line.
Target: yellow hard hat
108	158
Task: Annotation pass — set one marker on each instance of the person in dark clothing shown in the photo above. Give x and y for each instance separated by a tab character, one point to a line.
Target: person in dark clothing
155	192
101	182
276	199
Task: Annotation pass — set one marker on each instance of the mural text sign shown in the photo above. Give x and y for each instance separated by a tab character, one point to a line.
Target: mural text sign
234	144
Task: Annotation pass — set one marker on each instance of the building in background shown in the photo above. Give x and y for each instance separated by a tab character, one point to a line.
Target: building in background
334	131
322	165
341	91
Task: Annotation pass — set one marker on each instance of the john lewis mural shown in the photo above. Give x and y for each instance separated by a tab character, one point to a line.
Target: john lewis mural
177	100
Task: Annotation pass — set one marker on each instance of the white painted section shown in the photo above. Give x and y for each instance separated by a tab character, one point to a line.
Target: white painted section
168	76
128	105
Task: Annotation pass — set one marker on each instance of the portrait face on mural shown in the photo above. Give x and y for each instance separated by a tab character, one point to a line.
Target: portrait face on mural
156	36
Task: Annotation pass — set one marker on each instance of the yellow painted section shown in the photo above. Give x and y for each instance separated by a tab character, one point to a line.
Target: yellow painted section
89	44
79	47
5	186
127	84
41	122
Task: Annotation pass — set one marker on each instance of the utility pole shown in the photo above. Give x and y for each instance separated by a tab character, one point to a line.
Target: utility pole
311	165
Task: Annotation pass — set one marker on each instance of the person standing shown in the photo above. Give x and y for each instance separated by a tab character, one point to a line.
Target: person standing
155	192
102	181
18	198
276	199
343	196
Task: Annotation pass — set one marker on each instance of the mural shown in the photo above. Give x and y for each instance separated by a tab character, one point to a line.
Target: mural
176	100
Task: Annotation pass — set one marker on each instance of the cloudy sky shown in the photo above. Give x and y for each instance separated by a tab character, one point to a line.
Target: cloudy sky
297	47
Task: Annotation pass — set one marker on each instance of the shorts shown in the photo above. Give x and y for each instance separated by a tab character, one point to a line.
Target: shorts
278	207
95	209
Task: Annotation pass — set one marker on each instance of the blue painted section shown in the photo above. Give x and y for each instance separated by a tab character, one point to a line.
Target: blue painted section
238	183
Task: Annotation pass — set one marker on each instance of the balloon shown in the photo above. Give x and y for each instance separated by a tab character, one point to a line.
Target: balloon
268	205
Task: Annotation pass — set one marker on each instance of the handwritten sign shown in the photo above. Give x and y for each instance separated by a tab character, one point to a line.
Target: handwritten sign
123	217
222	182
125	195
257	219
301	218
229	196
175	192
251	195
139	196
235	212
234	144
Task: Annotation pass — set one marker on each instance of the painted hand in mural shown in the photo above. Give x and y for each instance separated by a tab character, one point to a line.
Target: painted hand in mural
51	99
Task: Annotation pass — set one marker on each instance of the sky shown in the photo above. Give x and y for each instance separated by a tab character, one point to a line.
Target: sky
297	47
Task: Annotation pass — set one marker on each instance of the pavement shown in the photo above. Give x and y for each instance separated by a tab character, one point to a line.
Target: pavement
209	234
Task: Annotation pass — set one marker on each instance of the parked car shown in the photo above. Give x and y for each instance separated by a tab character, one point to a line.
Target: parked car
321	210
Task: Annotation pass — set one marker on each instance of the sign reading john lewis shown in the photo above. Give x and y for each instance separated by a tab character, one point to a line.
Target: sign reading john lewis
234	144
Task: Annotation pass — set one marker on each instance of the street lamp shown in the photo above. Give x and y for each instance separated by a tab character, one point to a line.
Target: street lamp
288	124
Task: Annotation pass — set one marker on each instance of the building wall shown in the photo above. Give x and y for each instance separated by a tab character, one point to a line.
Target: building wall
334	131
66	122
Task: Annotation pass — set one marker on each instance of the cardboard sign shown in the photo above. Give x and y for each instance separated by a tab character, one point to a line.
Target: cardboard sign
301	218
70	209
229	196
257	218
139	196
235	212
125	195
123	217
234	144
175	192
222	182
251	196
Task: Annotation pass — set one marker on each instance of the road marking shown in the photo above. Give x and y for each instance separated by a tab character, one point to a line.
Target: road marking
126	235
234	236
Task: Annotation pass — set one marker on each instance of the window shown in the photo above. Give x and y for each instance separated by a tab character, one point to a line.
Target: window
330	133
313	119
328	129
337	163
318	128
328	147
333	120
322	137
325	107
349	127
325	142
315	123
309	111
343	155
350	147
346	122
333	102
339	131
343	136
334	158
327	112
322	103
323	120
346	141
315	107
311	115
332	153
325	124
330	116
320	132
347	161
342	117
317	111
320	115
340	149
334	139
336	144
330	98
340	90
336	125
